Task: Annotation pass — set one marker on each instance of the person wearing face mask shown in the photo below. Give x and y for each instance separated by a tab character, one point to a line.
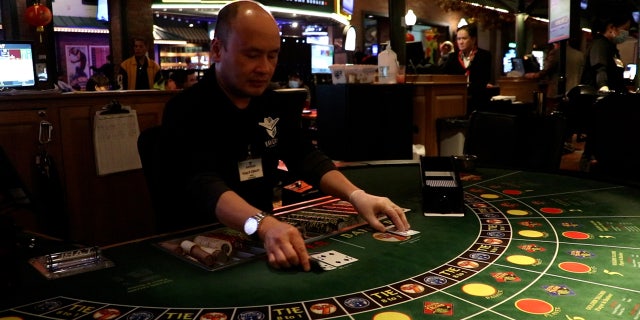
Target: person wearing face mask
603	68
295	81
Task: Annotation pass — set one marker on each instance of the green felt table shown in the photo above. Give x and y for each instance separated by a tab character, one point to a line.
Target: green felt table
530	245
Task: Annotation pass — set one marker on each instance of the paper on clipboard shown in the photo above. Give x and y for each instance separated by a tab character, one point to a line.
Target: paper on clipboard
115	138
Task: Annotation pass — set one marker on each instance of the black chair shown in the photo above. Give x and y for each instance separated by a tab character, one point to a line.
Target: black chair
531	142
493	138
159	166
148	148
16	201
611	142
578	109
543	144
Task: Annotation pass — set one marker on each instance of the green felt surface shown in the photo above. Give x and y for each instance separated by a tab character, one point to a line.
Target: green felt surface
146	277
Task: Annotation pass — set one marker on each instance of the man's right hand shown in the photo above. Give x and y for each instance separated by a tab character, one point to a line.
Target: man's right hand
284	244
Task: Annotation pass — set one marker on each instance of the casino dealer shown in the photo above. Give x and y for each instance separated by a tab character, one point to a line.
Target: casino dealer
230	138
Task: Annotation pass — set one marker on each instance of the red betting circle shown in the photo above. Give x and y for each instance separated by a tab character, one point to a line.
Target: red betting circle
574	267
576	235
534	306
512	192
551	210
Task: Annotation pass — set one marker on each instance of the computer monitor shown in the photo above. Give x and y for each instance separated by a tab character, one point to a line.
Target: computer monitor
506	61
517	65
17	64
630	71
347	6
539	55
375	49
102	14
321	58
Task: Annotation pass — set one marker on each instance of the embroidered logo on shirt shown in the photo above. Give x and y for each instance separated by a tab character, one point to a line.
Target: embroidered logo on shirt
270	125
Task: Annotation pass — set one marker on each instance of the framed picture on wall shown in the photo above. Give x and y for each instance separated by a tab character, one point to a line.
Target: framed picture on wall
77	62
98	55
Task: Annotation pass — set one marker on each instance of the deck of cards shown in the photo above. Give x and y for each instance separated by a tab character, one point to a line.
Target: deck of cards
407	233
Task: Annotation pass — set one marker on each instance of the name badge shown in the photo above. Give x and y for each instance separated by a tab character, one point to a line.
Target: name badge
250	169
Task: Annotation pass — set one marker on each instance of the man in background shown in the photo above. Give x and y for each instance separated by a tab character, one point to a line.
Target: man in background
140	72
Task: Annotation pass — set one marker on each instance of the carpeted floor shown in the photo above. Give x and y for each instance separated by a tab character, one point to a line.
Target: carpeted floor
571	161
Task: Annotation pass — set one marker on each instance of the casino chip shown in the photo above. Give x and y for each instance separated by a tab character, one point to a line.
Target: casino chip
48	305
323	308
468	264
412	288
106	314
435	280
357	303
251	315
480	256
496	234
213	316
141	315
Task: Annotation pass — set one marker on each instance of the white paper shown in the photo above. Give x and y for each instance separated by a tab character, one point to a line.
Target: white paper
115	137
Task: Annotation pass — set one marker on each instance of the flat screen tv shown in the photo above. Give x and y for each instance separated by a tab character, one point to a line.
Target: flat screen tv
630	71
347	6
17	64
321	58
102	14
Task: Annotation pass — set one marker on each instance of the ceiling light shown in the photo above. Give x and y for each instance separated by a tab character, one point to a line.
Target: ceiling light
410	18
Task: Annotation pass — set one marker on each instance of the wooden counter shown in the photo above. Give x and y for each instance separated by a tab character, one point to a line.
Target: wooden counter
435	97
521	88
97	209
100	210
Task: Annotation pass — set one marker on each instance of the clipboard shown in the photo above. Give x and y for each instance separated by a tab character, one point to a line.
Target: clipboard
115	137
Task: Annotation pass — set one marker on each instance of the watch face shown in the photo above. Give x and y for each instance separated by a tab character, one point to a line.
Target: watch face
250	226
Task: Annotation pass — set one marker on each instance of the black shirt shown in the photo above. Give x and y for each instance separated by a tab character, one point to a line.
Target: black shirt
209	136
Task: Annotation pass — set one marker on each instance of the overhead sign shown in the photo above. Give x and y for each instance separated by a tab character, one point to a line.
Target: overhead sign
311	5
318	8
559	20
327	6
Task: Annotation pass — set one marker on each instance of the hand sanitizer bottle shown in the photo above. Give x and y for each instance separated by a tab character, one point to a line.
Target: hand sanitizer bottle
387	65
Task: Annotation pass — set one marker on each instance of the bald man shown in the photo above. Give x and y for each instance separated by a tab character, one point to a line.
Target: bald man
229	139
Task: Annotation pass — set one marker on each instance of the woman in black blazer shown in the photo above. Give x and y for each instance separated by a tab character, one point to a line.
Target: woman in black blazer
473	62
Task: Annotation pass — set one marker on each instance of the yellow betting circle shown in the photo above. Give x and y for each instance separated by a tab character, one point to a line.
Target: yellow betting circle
489	196
517	212
479	289
531	233
391	315
522	260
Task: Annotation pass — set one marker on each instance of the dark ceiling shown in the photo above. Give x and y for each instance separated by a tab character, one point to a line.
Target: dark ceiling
540	8
537	8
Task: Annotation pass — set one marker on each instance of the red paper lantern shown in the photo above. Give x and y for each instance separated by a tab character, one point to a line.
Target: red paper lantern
409	37
38	16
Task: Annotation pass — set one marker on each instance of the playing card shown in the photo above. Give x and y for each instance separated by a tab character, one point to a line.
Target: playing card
323	265
394	230
333	258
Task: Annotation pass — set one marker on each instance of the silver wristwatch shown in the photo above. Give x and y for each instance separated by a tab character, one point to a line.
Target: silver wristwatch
252	224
